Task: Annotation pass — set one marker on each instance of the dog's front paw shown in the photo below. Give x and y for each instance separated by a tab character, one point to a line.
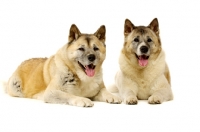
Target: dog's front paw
81	102
155	99
113	99
131	100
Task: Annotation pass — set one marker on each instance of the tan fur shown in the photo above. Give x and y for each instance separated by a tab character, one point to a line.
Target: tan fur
60	78
151	82
31	72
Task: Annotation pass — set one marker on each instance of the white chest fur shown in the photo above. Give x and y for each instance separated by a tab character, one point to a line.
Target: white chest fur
140	81
89	89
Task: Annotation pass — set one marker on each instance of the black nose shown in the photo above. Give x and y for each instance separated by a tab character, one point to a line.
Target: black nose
91	57
144	49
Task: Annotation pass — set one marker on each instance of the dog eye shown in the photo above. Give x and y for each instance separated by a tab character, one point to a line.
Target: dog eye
149	40
81	49
95	48
136	40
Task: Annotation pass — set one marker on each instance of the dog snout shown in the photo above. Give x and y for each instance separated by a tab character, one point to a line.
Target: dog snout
144	49
91	57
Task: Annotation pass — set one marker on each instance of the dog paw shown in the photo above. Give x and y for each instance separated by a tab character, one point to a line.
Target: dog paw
81	102
131	100
113	99
155	99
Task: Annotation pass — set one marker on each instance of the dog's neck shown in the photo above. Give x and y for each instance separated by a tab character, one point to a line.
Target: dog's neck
64	62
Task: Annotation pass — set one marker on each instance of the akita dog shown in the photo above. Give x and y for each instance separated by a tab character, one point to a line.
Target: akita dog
143	73
72	76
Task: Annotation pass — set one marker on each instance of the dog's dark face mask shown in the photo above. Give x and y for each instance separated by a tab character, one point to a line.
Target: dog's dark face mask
141	41
87	51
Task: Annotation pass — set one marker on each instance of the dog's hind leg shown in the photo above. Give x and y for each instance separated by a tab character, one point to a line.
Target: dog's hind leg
14	86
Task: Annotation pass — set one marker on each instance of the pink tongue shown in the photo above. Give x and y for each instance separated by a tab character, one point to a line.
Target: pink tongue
143	62
89	72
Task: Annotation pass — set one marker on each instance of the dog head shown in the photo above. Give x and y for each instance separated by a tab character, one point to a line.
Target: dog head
86	51
142	42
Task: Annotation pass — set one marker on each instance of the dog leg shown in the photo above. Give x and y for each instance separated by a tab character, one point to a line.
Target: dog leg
156	98
127	89
129	97
105	96
160	92
161	95
14	87
128	93
60	97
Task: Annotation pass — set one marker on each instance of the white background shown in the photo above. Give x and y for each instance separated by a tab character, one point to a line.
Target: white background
38	28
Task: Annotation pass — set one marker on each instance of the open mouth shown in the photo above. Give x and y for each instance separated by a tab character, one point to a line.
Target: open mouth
142	59
88	69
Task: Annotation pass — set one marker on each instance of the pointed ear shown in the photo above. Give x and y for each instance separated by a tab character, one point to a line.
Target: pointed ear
74	33
154	26
128	27
101	33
